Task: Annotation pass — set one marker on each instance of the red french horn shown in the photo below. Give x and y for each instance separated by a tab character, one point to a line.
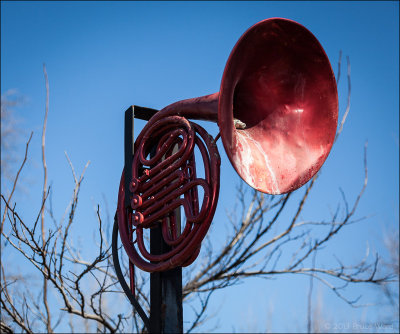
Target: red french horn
277	112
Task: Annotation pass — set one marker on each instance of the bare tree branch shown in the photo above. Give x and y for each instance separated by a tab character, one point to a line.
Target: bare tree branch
261	228
15	182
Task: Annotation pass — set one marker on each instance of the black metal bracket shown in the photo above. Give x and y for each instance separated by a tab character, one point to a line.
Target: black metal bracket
165	287
130	114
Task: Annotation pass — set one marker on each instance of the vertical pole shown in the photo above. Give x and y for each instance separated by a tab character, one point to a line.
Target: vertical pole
165	294
128	151
128	156
166	315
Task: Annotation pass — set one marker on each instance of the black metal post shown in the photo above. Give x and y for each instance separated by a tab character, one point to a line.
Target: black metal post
165	293
166	315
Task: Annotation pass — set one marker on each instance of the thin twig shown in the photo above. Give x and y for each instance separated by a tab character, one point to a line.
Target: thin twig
15	182
45	302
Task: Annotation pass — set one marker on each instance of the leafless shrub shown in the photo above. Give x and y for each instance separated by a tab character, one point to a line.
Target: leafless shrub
83	288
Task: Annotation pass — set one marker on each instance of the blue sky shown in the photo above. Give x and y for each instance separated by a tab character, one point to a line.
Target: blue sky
102	57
